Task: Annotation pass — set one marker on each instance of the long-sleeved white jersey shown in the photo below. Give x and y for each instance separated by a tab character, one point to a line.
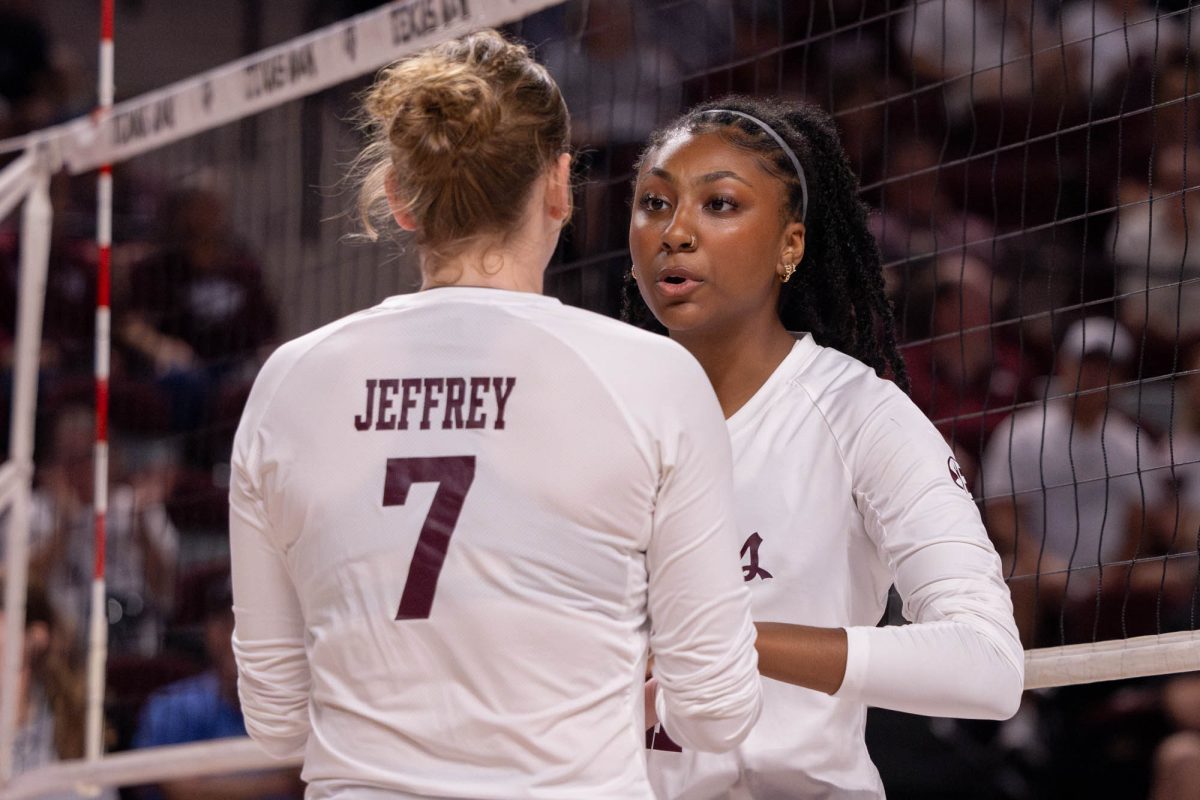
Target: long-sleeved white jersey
458	520
843	488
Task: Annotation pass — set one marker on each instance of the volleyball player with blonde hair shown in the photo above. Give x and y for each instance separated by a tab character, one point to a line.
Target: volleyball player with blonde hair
460	517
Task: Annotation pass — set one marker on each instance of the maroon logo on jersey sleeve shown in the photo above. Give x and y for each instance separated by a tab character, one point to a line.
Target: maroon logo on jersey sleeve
753	570
956	474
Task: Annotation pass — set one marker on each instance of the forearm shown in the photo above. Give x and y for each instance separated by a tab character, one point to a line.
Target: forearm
946	668
268	638
814	658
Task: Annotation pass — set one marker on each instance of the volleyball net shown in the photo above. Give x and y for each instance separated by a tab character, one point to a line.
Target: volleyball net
1032	194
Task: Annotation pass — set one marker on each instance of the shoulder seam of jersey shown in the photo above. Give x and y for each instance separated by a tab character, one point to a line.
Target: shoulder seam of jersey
626	417
319	336
798	382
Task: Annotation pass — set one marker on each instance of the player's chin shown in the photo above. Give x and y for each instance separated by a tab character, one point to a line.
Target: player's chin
682	315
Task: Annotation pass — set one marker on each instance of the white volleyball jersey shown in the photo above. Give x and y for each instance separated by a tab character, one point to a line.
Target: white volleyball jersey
843	488
458	521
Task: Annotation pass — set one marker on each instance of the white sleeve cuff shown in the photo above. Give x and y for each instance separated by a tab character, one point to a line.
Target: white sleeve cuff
858	651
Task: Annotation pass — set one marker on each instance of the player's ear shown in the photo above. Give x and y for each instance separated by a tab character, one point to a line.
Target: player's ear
396	204
792	251
558	194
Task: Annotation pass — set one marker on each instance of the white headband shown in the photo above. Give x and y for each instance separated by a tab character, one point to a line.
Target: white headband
783	146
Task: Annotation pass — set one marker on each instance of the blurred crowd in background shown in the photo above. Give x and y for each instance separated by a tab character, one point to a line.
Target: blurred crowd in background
1031	169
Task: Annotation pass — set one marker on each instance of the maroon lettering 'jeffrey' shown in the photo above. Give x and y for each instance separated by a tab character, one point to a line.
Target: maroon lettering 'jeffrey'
401	404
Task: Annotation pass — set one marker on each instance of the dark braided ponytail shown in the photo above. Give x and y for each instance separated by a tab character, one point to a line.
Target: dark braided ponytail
837	293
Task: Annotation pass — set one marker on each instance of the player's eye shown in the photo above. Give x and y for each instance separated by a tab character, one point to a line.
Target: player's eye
652	202
721	203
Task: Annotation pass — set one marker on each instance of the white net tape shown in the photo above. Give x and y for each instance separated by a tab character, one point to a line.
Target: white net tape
1138	657
152	765
245	87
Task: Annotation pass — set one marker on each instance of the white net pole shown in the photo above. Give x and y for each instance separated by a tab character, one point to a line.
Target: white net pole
15	183
35	258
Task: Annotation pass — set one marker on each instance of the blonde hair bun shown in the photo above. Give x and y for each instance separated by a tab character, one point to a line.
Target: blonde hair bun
445	119
460	131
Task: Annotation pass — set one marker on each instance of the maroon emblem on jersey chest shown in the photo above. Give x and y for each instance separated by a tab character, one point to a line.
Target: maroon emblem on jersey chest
753	570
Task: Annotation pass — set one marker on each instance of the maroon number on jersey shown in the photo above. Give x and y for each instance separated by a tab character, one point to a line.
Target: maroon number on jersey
453	475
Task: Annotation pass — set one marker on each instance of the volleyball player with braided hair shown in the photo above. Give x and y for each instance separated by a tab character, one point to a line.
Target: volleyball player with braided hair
751	247
459	519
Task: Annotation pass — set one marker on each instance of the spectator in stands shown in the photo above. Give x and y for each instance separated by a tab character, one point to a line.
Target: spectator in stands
68	321
618	76
612	78
141	547
198	312
31	88
1179	450
1106	39
1177	759
50	700
206	707
1067	482
1182	448
918	216
981	49
965	374
1155	248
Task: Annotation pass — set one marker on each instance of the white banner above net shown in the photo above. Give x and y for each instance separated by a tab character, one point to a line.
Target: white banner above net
300	67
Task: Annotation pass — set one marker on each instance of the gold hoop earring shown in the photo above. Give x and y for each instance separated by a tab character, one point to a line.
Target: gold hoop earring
788	271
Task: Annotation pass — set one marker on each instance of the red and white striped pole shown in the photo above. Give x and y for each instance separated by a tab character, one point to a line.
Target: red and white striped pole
98	629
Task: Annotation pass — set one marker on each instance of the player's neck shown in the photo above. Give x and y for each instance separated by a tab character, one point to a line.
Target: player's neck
514	268
510	280
738	361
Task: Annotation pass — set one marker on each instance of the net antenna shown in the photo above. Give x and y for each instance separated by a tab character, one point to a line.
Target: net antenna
98	625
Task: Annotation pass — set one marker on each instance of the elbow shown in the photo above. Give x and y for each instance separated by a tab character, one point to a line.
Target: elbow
277	743
1014	690
276	720
1003	705
1003	698
717	730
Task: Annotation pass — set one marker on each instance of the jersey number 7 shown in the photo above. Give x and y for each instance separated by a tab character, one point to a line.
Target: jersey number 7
453	475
